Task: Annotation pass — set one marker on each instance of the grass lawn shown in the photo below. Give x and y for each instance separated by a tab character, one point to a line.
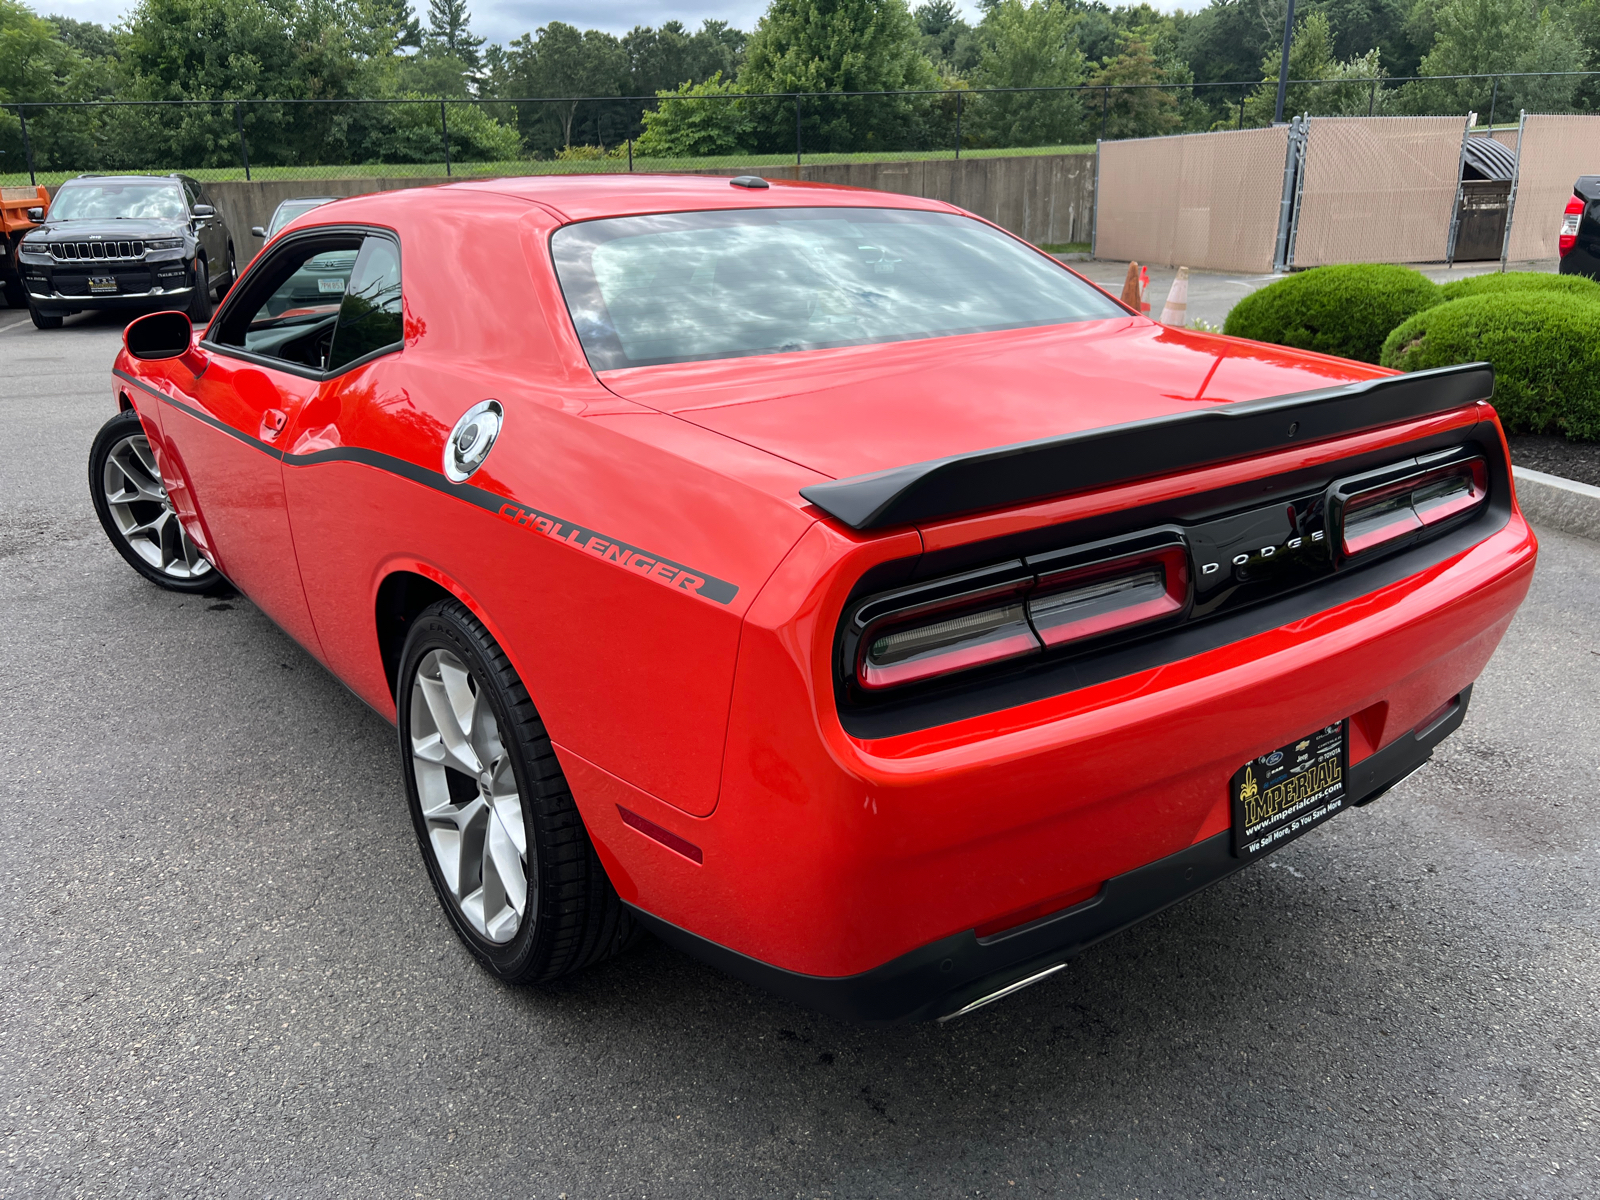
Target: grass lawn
581	166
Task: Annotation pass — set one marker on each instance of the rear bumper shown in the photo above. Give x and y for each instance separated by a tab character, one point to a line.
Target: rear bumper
963	971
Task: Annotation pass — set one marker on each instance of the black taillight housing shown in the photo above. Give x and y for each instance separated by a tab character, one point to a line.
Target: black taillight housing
1389	508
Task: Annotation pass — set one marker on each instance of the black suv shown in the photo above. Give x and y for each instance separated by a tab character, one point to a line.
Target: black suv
1580	229
126	241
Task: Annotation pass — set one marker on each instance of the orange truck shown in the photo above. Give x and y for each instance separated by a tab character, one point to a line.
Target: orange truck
15	203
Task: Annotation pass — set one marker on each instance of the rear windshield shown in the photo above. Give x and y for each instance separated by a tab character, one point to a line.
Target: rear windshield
682	287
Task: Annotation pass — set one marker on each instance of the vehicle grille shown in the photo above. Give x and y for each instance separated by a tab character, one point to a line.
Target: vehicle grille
96	251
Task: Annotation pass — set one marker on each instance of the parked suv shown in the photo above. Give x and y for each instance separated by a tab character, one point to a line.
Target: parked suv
1580	229
126	241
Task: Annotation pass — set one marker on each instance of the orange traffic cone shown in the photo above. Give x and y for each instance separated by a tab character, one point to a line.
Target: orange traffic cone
1144	290
1131	296
1177	310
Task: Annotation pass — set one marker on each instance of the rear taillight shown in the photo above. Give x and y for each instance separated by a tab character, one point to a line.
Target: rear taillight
1569	225
1384	515
1025	616
973	630
1070	606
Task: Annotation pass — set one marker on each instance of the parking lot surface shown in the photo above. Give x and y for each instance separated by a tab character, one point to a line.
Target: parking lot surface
223	974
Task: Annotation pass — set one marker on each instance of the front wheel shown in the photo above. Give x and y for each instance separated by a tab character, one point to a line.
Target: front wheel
44	320
227	280
200	297
504	845
134	510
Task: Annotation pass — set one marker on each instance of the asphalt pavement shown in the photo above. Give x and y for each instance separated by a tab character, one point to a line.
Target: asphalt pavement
223	974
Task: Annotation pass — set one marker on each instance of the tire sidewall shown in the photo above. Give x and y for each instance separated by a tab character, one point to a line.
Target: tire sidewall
124	425
442	628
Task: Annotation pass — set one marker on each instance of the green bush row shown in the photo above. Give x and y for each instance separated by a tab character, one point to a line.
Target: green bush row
1541	332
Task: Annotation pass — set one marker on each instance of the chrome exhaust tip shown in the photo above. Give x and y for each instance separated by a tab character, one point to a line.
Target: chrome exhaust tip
1002	992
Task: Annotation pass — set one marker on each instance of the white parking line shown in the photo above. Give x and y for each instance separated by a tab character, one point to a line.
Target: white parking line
13	325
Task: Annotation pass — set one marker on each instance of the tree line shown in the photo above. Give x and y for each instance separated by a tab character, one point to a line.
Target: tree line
721	90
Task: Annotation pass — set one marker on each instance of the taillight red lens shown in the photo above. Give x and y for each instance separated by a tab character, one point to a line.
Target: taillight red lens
972	632
1569	225
1023	617
1073	605
1387	514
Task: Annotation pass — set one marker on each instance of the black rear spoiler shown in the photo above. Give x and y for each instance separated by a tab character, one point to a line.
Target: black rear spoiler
963	483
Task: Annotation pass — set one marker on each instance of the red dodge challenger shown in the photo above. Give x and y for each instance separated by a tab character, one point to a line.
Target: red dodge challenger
825	581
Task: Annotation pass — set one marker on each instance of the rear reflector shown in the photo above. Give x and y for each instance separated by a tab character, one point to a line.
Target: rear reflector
1569	225
666	837
1385	515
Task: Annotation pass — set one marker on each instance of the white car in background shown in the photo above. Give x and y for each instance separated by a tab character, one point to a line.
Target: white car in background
288	211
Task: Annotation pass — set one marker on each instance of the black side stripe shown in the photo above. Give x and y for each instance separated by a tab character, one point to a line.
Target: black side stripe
664	571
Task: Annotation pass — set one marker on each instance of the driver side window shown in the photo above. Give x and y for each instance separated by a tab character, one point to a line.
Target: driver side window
288	309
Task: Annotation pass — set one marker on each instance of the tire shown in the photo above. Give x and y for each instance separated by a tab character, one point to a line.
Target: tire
496	806
227	280
44	320
137	516
16	294
200	298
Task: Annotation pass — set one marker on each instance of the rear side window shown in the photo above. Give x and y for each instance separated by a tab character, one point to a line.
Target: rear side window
369	315
680	287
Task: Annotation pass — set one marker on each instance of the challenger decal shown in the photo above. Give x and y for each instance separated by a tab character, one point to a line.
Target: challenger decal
663	571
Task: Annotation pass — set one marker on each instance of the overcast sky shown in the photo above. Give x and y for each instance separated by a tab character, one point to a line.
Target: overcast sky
502	20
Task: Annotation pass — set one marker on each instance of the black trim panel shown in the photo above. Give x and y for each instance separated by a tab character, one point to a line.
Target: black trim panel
945	976
963	483
666	572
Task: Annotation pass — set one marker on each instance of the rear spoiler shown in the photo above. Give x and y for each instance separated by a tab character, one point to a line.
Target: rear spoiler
1005	475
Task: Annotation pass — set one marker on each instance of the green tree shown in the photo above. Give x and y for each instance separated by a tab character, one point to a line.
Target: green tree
942	29
1476	37
1130	105
562	61
450	35
1027	45
830	46
696	120
1349	88
36	65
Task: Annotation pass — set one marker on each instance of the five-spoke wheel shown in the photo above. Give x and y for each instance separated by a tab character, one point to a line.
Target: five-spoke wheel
469	799
502	838
133	506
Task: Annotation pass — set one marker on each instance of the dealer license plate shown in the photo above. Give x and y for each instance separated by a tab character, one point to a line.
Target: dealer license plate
1280	795
100	284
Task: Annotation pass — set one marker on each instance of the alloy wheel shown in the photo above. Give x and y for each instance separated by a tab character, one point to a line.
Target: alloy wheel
469	799
143	514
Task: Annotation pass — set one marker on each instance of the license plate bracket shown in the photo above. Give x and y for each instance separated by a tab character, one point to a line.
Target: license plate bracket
99	285
1279	796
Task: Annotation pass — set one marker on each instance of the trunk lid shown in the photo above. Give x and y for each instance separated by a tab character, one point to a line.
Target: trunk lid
861	409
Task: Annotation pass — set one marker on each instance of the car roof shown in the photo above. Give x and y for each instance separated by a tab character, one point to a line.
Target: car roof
173	178
585	197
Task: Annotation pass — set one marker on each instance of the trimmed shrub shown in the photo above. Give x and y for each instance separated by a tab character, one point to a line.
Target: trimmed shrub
1544	346
1579	286
1346	310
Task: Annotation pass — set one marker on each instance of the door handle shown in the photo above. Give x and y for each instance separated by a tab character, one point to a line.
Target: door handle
272	423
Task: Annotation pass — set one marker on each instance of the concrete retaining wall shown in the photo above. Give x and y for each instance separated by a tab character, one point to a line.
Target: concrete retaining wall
1047	199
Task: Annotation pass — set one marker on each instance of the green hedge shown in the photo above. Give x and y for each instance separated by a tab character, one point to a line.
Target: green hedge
1345	310
1544	346
1520	281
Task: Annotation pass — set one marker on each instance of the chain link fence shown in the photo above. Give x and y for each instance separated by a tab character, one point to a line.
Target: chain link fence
420	137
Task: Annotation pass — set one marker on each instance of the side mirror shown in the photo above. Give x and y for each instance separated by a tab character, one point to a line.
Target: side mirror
163	335
36	215
203	211
257	231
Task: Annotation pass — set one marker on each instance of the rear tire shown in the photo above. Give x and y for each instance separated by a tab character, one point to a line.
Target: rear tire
200	297
504	844
45	320
134	511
